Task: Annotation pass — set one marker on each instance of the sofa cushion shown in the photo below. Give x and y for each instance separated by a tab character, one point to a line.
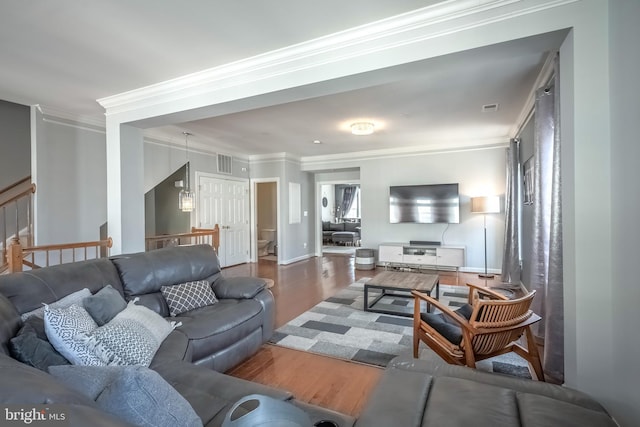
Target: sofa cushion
31	346
35	386
9	323
50	284
188	296
136	394
215	327
147	272
104	304
132	337
73	298
63	326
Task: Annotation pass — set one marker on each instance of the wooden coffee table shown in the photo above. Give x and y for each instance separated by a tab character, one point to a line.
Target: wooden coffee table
399	284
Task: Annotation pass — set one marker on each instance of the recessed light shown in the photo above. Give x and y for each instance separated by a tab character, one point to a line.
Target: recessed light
362	128
317	141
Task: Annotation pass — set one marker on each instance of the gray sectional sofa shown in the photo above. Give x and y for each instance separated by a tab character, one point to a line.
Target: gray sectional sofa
213	338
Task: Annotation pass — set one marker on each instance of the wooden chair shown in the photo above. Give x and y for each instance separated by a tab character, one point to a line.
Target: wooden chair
488	326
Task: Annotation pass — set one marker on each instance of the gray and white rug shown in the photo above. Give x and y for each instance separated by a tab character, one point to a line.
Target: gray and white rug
339	327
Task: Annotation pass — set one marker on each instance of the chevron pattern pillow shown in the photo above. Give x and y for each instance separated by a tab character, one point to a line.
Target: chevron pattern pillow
188	296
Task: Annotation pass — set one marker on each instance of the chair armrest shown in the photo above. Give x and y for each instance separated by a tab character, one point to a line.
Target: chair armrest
440	306
484	291
238	287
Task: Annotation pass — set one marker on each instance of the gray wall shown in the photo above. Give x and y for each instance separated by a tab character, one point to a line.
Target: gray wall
168	218
625	201
15	143
70	175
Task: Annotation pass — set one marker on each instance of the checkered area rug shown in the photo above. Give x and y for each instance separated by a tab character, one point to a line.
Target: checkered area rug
339	327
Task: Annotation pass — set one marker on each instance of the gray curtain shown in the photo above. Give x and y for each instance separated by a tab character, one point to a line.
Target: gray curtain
546	268
348	196
511	258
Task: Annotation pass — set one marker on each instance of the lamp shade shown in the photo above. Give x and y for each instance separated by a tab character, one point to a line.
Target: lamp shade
487	204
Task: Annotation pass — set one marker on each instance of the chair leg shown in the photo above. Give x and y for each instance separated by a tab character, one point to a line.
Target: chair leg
416	344
532	348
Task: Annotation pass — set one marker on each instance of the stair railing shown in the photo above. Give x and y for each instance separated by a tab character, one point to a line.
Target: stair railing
208	236
11	204
33	256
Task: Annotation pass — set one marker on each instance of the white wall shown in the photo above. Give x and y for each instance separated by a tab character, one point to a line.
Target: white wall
327	212
625	202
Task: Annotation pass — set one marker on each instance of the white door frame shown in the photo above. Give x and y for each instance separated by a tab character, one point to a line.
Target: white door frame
253	189
199	175
318	226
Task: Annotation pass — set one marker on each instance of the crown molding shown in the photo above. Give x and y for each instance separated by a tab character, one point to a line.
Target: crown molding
444	147
274	157
392	32
57	113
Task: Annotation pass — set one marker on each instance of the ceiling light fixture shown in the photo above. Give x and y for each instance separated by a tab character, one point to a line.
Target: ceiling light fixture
317	141
186	198
362	128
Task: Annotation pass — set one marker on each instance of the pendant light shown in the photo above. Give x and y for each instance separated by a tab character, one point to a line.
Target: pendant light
186	198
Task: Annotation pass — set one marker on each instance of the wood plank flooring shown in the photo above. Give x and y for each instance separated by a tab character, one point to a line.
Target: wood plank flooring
331	383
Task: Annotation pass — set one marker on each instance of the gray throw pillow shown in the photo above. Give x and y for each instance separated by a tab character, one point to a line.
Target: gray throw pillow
104	305
135	394
30	346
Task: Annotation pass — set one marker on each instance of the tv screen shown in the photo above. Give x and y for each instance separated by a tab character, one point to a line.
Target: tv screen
424	204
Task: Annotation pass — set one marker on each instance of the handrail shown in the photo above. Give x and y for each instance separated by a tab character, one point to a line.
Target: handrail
15	184
31	189
196	236
16	253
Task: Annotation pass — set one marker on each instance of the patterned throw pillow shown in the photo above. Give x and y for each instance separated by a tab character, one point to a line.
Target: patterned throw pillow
64	302
188	296
64	327
132	337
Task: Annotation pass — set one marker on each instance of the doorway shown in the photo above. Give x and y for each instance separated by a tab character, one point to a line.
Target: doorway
225	202
266	215
339	212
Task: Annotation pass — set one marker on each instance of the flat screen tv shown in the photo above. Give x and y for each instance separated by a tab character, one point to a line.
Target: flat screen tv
424	204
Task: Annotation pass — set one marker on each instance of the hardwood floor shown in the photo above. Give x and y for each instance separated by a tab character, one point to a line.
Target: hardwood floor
331	383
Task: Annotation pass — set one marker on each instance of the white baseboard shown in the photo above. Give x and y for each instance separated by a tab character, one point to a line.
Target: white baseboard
292	260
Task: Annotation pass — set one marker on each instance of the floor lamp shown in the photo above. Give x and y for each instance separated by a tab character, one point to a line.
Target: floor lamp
485	205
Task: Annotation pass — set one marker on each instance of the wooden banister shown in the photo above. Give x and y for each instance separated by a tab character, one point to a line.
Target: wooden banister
16	253
210	236
15	184
30	190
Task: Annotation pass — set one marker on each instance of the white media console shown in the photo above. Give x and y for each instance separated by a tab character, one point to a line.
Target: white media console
421	256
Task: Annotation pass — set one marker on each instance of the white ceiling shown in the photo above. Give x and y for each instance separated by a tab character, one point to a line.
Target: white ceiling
66	54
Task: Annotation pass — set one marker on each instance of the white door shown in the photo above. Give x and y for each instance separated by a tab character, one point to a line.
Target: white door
226	203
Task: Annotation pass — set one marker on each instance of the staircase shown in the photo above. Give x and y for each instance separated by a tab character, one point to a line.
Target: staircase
16	219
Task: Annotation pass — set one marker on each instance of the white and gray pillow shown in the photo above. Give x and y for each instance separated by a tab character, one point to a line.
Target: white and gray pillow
188	296
132	337
64	328
73	298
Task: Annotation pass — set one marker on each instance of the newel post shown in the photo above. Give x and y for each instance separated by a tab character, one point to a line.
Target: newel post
14	256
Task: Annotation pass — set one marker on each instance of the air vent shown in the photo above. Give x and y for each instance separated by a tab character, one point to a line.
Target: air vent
490	108
224	163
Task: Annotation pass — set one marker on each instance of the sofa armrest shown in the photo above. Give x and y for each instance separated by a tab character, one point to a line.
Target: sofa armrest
238	287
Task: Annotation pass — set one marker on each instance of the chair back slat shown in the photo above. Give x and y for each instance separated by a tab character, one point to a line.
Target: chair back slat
498	314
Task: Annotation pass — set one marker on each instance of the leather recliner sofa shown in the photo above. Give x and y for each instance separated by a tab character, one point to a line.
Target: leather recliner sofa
410	393
209	341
